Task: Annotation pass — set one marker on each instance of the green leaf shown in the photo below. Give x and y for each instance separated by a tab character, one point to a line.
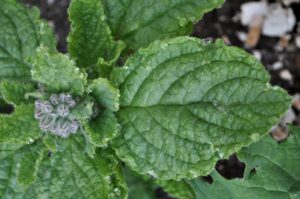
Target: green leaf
104	67
70	173
139	186
276	175
180	190
90	37
105	94
21	33
19	127
185	104
10	156
49	141
29	163
139	22
13	92
57	72
83	111
102	128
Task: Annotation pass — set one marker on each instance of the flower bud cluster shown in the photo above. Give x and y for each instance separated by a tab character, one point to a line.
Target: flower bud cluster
53	115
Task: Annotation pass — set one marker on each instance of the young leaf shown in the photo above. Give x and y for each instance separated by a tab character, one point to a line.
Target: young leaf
83	111
90	37
139	22
57	72
276	174
31	157
21	33
19	127
103	128
70	173
185	104
105	94
13	92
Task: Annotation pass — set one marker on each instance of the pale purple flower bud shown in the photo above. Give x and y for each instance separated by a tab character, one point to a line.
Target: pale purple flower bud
46	107
74	125
38	114
62	127
53	115
38	104
54	99
46	123
62	110
71	102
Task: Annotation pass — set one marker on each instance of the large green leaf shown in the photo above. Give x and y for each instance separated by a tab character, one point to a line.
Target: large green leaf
276	175
20	127
185	104
139	22
57	72
65	174
21	33
13	92
70	173
90	37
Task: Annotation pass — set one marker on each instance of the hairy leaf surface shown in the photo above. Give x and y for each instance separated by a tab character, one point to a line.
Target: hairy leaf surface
103	128
67	173
185	104
57	72
276	174
70	173
90	37
13	92
10	157
105	94
19	127
31	157
139	22
21	33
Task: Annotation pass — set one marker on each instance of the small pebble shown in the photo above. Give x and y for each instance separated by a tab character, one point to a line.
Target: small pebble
50	2
286	75
257	55
297	41
279	132
289	2
242	36
277	65
296	101
288	117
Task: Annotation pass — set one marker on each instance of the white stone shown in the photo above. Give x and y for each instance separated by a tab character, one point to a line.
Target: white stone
277	65
257	55
50	2
286	75
242	36
251	10
278	21
289	2
297	41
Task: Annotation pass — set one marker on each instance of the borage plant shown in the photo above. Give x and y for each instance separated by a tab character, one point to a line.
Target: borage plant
167	109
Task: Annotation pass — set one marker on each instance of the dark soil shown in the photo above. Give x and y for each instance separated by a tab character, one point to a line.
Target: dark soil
220	23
